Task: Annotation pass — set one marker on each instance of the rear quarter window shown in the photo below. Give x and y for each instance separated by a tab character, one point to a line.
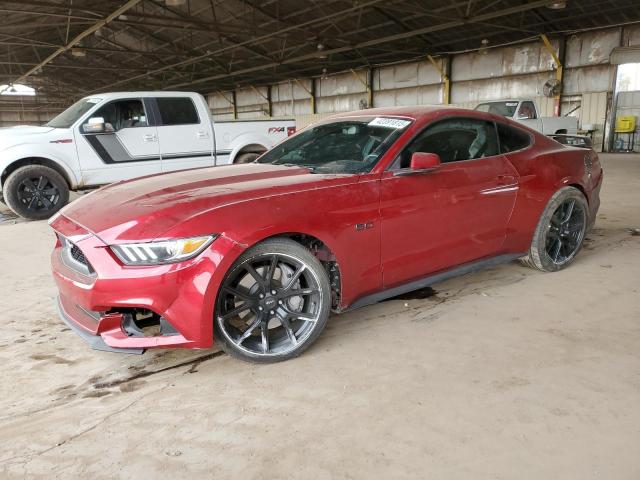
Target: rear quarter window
512	139
177	111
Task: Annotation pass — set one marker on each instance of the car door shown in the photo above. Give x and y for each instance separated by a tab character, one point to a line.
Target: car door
453	215
186	139
126	148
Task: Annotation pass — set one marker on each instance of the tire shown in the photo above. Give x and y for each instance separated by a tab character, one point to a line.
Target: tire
560	232
269	309
35	192
247	157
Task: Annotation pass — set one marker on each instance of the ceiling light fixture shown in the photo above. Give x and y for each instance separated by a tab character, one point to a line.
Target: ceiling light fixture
560	5
321	49
484	43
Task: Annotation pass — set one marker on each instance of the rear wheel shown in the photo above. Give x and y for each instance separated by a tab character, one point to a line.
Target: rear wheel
35	192
273	303
560	232
247	157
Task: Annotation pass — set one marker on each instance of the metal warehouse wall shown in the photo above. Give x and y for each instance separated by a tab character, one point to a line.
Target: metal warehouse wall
24	117
498	73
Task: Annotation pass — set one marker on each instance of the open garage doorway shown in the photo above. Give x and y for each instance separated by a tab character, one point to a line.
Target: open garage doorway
625	125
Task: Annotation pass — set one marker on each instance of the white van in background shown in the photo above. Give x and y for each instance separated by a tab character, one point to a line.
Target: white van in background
109	137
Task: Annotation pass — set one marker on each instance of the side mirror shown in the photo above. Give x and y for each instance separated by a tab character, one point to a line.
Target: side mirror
94	125
424	162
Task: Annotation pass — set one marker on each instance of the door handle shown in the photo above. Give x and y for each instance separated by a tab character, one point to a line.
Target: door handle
202	134
506	179
149	138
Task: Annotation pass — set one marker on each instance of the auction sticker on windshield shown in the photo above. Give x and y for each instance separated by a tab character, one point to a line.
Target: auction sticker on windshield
389	122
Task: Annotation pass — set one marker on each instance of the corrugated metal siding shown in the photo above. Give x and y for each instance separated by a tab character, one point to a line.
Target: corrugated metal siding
9	118
594	110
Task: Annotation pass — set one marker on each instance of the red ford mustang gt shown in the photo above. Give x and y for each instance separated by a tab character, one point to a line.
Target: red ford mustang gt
361	207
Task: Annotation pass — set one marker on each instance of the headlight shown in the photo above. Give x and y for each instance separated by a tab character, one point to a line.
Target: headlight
166	251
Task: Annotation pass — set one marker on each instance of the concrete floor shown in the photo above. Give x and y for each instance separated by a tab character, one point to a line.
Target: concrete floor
503	374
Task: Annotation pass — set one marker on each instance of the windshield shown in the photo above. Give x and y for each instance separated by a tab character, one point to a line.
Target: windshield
506	109
341	146
73	113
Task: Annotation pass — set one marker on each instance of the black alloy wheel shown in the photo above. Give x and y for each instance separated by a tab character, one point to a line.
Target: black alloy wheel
273	303
566	231
36	192
560	232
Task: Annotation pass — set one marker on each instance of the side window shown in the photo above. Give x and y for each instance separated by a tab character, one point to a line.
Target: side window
454	140
177	111
123	114
512	139
527	111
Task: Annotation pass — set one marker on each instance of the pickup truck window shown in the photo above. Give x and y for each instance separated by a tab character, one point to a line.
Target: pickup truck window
506	109
72	114
123	114
454	139
351	145
512	139
177	111
527	111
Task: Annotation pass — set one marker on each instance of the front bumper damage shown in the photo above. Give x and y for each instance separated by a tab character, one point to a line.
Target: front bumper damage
95	341
107	303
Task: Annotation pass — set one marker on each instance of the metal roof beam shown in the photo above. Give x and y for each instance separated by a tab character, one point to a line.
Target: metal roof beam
378	41
78	38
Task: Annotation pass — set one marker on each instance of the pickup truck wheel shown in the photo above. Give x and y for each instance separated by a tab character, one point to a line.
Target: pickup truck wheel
246	157
273	303
35	192
560	232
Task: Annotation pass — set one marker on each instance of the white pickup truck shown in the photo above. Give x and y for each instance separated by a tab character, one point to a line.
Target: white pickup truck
109	137
526	112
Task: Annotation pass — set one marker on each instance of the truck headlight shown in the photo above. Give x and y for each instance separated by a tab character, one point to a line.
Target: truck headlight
165	251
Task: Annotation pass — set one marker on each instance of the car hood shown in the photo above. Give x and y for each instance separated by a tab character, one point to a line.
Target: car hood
146	208
17	135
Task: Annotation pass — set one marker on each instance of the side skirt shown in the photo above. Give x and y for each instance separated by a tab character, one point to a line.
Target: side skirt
431	279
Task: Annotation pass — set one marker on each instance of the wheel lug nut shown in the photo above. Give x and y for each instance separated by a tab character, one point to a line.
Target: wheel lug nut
261	295
271	312
279	302
273	292
260	308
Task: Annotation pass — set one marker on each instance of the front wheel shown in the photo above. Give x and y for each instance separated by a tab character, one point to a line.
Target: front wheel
273	303
560	232
35	192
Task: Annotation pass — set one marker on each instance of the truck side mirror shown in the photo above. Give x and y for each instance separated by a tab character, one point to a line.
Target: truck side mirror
94	125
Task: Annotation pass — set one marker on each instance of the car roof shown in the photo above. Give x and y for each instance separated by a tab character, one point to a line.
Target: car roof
416	112
111	95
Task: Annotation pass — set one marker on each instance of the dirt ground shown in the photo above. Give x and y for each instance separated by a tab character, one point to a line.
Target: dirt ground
502	374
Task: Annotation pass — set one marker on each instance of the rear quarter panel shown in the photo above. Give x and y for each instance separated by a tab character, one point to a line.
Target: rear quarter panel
543	169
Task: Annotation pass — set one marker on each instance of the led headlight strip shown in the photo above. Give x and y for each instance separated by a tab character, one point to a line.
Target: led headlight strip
165	251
